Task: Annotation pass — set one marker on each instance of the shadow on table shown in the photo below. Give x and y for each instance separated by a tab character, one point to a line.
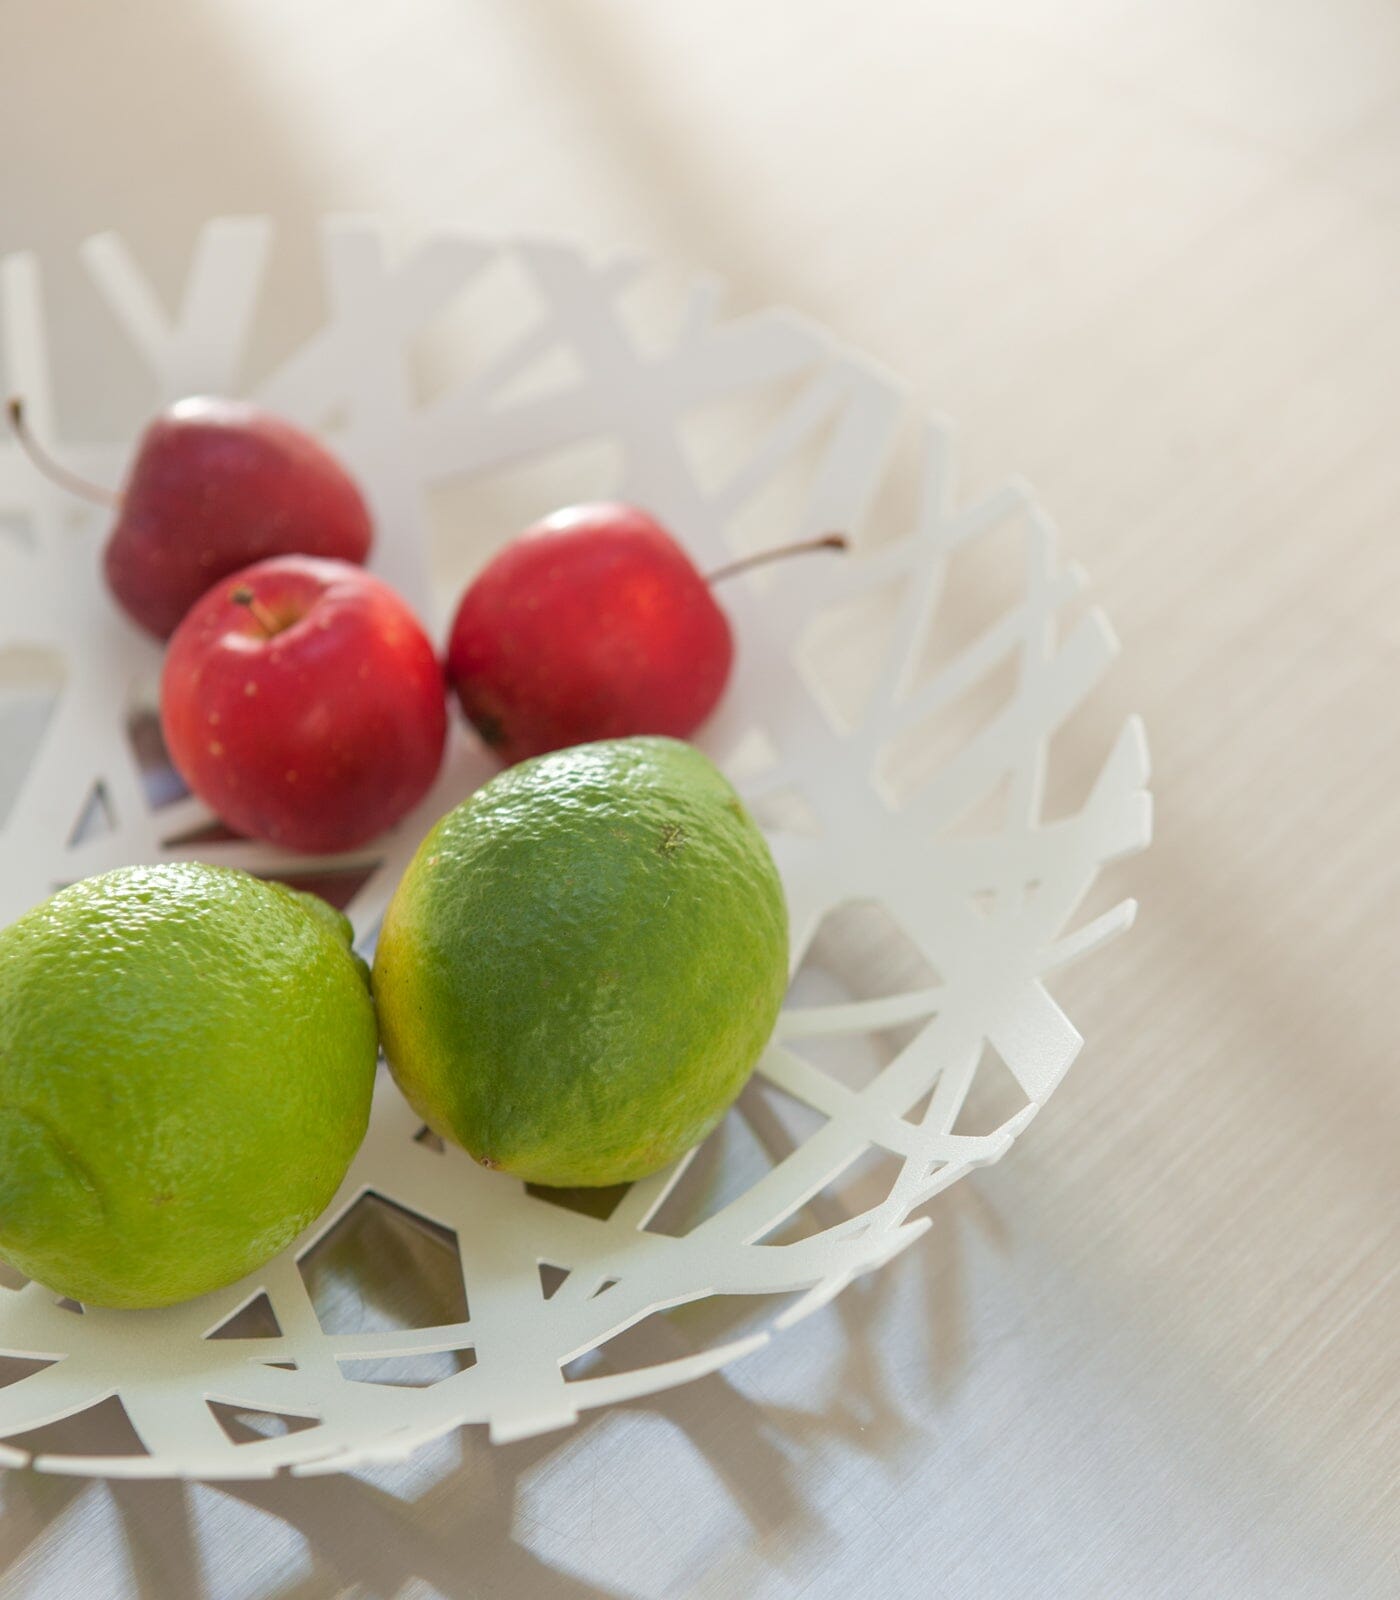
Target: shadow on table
467	1530
463	1516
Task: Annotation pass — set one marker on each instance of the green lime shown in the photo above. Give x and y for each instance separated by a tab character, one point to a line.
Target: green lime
583	962
186	1061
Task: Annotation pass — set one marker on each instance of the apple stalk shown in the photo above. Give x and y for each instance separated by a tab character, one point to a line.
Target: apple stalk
827	541
244	596
55	471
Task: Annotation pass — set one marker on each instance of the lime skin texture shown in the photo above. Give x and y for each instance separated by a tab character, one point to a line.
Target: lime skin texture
584	962
187	1056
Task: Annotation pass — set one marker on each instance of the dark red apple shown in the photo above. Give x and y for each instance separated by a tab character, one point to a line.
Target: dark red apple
593	624
302	701
217	485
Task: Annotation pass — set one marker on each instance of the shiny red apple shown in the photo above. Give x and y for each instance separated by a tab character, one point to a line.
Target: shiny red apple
593	624
217	485
302	701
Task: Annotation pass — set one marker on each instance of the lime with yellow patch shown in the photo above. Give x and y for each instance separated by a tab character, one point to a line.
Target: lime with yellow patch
583	963
187	1057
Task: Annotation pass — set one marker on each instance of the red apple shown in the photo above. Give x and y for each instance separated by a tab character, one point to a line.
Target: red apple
216	485
593	624
302	701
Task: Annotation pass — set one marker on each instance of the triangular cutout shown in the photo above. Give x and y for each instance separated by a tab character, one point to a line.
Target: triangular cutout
1105	894
337	889
993	1097
928	744
714	1319
982	580
96	817
870	952
589	1364
645	1343
893	1042
987	815
839	654
101	1430
31	682
866	1182
1076	755
745	756
491	311
11	1277
214	832
430	1140
786	811
256	1320
550	373
160	782
599	1203
383	1268
854	1060
814	1216
718	436
782	1122
15	1369
419	1371
248	1424
550	1278
724	1168
919	1110
860	952
679	1331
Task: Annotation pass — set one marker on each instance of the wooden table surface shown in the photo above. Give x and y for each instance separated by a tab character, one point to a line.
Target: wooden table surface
1149	256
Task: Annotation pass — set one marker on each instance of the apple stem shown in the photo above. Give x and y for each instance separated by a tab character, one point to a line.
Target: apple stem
244	596
828	541
52	469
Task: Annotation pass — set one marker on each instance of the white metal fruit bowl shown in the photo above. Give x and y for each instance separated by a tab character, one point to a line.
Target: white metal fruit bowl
900	782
